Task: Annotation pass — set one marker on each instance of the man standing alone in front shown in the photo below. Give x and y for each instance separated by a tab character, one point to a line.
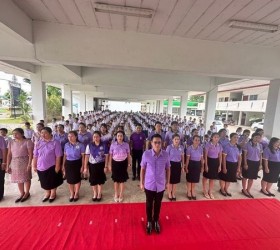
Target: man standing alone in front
155	174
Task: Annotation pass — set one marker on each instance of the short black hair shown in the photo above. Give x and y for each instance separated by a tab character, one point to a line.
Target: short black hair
174	123
156	136
4	130
157	122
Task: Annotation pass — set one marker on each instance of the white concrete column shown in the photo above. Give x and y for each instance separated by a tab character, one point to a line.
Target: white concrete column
89	103
67	107
82	103
38	91
161	106
183	107
272	113
210	106
239	118
155	106
170	104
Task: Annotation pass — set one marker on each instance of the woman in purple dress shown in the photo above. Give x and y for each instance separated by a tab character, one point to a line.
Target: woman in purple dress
230	165
271	165
213	161
194	166
47	163
20	154
176	156
252	158
119	161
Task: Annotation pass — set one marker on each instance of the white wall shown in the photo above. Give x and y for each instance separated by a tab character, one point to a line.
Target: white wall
124	106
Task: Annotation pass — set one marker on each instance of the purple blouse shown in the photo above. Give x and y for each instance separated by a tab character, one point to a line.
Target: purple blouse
85	138
62	138
74	151
175	154
224	142
155	166
213	151
253	152
119	151
168	137
232	152
195	153
97	153
47	152
268	155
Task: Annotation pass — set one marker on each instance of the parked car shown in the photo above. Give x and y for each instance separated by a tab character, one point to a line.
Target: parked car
256	125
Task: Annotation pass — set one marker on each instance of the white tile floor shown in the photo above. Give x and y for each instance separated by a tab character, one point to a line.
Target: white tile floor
132	193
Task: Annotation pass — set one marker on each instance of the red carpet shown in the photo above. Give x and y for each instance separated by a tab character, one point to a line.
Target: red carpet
232	224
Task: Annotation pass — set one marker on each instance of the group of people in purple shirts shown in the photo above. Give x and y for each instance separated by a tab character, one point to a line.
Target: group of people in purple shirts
157	160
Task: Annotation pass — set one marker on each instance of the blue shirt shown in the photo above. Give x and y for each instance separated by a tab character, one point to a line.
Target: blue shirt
74	151
97	153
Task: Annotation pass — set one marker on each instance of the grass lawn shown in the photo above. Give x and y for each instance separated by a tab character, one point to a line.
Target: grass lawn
11	121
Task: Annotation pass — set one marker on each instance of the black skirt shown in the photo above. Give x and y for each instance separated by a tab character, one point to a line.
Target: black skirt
175	173
252	171
213	168
96	174
119	171
274	171
230	176
49	179
194	170
73	171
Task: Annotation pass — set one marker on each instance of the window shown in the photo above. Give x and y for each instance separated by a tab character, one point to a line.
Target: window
253	97
245	98
221	99
226	99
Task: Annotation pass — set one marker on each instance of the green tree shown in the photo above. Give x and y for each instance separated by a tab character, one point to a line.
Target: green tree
197	98
7	95
54	98
24	106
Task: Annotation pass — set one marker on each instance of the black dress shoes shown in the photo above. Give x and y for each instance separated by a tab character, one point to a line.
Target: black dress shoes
25	198
99	199
45	199
149	227
267	194
19	199
76	199
52	199
157	227
71	199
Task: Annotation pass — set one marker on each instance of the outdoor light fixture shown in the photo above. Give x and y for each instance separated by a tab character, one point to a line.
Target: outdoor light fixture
123	10
253	26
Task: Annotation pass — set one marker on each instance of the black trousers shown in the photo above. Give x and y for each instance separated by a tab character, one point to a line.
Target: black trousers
153	204
136	157
278	184
2	181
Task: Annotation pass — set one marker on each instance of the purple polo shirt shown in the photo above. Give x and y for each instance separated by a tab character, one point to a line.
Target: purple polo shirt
46	152
74	151
106	138
232	152
168	137
253	152
175	153
195	153
119	151
155	166
138	140
224	141
3	146
212	150
162	134
85	138
268	155
97	153
62	138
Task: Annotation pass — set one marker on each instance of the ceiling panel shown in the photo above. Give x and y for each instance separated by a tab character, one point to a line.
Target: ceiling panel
72	11
87	13
197	10
57	10
131	23
214	10
103	19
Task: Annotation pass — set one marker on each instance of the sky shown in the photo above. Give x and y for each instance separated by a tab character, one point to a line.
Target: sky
4	84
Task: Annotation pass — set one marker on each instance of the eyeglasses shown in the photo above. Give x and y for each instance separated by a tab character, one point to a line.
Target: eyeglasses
157	142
